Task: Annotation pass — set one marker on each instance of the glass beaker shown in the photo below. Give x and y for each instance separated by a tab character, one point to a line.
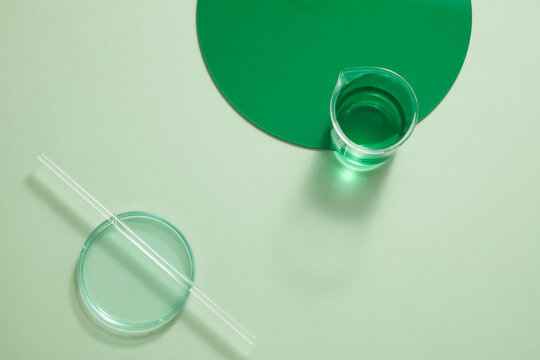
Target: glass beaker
373	110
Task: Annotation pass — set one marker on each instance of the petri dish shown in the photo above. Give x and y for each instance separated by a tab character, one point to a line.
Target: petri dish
125	288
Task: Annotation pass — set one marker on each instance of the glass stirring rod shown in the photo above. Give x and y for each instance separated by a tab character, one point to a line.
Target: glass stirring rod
148	251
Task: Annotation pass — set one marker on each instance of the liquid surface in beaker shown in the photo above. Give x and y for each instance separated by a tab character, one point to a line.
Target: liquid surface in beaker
122	285
370	117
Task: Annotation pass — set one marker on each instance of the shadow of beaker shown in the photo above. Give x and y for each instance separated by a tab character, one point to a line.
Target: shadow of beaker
327	225
341	191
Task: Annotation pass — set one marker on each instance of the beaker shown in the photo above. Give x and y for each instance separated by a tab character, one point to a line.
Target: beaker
373	111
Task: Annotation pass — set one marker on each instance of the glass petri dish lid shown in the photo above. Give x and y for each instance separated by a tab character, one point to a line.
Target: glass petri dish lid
125	288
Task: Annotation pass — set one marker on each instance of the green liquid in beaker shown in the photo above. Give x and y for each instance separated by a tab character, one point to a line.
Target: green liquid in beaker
371	117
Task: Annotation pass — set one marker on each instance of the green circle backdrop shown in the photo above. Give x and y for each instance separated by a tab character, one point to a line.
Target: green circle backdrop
277	61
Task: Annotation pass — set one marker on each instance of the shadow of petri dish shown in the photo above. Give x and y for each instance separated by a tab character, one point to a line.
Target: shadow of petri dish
121	285
276	62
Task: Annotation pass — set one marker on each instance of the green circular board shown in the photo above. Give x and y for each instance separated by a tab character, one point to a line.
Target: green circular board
277	61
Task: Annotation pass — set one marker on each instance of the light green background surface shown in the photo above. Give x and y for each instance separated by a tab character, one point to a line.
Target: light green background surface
433	257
